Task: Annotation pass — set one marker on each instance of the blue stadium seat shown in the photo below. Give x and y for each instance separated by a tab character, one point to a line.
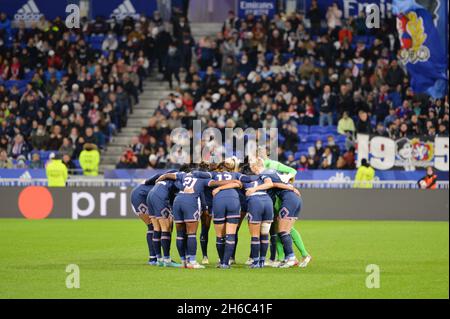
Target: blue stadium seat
299	154
45	155
304	146
287	153
315	129
303	129
312	138
340	138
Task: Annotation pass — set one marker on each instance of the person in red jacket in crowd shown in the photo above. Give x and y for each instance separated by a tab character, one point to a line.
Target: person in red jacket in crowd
429	181
53	60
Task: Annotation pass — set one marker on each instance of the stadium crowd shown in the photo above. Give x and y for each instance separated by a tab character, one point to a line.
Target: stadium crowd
320	79
67	90
319	85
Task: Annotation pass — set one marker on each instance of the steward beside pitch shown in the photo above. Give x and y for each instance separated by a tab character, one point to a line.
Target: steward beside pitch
56	172
365	175
90	159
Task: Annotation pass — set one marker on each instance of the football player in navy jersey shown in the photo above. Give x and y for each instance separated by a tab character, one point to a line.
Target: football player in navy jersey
260	211
159	202
141	209
226	211
291	204
187	210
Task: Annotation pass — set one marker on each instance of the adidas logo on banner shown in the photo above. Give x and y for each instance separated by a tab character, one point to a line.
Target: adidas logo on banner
26	175
126	9
28	12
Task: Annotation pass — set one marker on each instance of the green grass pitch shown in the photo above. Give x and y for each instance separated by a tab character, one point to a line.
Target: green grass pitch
112	254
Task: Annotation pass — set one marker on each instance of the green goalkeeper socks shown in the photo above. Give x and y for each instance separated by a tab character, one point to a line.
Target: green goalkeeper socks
280	250
298	242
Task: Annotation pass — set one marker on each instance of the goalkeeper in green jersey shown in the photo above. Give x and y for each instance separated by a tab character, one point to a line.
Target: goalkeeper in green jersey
276	245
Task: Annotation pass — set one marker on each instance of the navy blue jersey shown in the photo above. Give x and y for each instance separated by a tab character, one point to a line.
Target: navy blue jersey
166	189
250	181
152	180
187	183
222	176
207	196
273	192
138	199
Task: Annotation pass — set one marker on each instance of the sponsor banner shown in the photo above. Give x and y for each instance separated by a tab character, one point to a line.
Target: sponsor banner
22	173
33	10
132	173
319	175
121	9
37	202
351	8
406	153
256	7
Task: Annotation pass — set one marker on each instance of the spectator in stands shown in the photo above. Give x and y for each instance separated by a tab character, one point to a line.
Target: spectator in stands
89	136
36	162
4	142
394	75
347	161
303	163
327	159
40	138
21	162
230	23
110	42
5	161
135	146
363	126
327	104
380	130
128	161
66	147
346	126
429	181
60	76
334	16
331	144
19	147
173	64
153	162
313	158
391	117
54	60
315	18
56	138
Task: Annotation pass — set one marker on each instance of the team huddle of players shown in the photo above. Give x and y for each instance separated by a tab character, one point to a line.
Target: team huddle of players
225	193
